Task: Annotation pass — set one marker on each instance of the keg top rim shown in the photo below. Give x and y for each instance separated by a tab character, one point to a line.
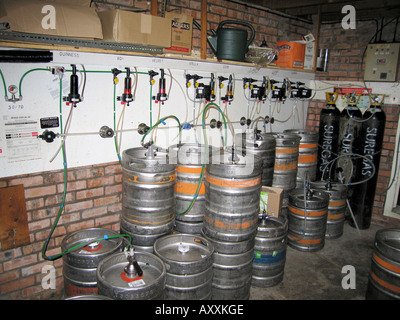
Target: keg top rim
90	235
181	240
390	237
115	260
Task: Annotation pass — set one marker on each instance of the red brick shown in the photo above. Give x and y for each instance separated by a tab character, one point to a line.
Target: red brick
116	207
53	177
68	218
17	285
107	219
39	225
113	169
72	186
27	182
71	207
9	276
106	200
34	204
98	182
113	189
89	193
39	191
222	11
89	173
91	213
20	262
80	225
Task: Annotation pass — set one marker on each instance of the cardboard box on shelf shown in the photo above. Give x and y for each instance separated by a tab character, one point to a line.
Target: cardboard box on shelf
57	19
135	28
271	200
290	54
181	33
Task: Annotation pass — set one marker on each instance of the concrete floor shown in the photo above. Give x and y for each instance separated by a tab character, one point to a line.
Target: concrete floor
318	275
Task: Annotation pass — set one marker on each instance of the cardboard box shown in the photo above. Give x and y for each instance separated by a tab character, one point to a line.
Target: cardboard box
290	54
181	33
73	21
271	200
136	28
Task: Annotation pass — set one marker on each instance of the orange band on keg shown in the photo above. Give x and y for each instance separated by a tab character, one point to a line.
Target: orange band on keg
168	218
385	284
183	169
335	216
166	179
308	145
233	184
309	213
307	158
285	167
386	264
189	188
286	150
305	241
229	225
337	203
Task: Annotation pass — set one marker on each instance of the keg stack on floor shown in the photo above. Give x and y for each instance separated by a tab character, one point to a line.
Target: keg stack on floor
196	224
189	187
285	166
148	195
261	145
233	184
270	251
308	155
271	237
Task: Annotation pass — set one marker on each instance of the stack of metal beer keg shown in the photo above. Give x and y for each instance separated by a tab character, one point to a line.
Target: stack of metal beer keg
233	185
195	222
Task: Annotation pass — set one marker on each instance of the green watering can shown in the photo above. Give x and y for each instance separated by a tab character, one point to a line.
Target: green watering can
230	43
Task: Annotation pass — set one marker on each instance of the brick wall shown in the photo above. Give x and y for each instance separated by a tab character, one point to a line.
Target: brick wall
346	48
267	26
93	199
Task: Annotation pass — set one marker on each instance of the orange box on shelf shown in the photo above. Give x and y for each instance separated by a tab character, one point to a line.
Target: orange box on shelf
290	54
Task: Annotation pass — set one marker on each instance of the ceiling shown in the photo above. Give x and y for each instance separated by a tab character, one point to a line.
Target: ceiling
331	10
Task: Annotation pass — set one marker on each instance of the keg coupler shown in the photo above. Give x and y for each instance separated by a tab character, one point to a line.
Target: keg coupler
151	152
132	271
234	158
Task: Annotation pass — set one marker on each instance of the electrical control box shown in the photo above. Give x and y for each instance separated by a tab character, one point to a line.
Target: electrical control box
381	62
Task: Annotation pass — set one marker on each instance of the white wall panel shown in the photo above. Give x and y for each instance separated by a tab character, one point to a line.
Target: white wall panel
84	146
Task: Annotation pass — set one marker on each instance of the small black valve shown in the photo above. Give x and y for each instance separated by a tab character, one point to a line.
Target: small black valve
48	136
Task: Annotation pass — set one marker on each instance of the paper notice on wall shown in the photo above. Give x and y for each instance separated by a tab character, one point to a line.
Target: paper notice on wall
20	138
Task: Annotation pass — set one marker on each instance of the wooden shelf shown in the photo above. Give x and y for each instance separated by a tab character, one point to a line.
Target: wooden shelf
57	47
